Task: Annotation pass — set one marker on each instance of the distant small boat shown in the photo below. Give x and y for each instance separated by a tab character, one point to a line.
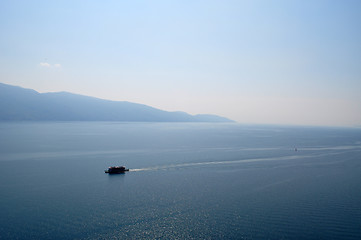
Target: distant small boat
116	169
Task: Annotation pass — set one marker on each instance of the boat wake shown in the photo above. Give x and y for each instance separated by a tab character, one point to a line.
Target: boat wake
240	161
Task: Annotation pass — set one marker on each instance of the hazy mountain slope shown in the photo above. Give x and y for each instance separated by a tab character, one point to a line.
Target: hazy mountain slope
20	104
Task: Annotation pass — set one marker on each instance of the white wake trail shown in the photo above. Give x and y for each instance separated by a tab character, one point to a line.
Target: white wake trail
283	158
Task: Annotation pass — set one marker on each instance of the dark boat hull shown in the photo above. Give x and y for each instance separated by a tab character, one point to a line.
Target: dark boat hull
116	170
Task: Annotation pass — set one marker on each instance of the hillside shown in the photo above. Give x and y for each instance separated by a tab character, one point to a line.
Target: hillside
19	104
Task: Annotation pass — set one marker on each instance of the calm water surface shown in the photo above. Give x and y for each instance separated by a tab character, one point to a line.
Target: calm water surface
187	181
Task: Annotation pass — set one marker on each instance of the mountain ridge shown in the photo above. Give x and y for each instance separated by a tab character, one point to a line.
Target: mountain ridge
23	104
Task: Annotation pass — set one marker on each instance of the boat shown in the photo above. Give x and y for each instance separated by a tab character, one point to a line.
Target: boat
116	169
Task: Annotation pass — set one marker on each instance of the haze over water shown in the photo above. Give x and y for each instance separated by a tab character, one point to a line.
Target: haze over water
260	62
252	61
187	181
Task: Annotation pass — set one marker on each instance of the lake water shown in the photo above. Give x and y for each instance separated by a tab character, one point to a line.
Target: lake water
187	181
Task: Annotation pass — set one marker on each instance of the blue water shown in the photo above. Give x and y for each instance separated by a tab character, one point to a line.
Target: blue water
187	181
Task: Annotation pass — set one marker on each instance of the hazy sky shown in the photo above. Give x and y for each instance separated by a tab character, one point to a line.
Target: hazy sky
278	62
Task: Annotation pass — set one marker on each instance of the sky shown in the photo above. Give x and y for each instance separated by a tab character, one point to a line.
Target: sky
292	62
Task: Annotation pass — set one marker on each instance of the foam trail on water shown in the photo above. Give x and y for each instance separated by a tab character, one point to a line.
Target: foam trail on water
290	157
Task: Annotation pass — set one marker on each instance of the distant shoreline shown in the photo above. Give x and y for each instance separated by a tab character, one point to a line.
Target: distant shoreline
20	104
